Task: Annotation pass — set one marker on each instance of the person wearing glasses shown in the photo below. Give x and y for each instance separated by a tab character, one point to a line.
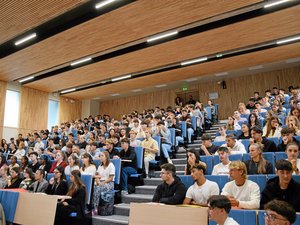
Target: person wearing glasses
219	207
172	190
279	212
282	187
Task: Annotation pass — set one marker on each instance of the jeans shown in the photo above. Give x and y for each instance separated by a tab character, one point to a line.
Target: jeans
165	149
190	132
178	140
126	172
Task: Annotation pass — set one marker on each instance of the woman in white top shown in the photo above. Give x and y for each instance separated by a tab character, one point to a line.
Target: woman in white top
74	164
272	127
88	165
292	151
104	182
21	151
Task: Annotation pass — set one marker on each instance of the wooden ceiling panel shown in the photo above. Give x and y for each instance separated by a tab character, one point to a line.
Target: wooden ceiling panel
18	16
272	26
136	20
229	64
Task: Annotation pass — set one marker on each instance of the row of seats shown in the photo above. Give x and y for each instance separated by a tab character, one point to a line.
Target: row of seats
251	217
221	180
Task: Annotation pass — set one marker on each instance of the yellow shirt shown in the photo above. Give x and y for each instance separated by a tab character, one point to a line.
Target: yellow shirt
151	143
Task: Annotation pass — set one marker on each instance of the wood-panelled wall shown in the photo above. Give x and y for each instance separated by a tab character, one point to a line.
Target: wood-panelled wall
33	110
3	86
69	109
121	106
239	89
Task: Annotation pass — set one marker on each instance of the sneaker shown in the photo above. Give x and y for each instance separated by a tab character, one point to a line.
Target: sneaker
124	192
170	161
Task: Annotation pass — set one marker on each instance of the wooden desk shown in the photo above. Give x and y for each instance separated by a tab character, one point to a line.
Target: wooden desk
156	214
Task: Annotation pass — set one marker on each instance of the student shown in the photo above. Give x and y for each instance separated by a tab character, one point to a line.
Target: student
202	189
223	167
172	190
219	207
292	151
279	212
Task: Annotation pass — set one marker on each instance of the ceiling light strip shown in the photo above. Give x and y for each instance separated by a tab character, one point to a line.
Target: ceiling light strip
103	3
26	79
198	60
275	3
161	36
68	90
121	78
25	39
81	61
286	40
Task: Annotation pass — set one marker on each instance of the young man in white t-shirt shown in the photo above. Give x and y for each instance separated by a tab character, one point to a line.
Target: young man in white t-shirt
202	189
223	167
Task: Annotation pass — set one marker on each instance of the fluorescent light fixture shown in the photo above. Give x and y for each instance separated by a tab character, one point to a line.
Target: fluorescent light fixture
27	38
121	78
136	90
221	74
116	94
202	59
80	61
26	79
274	3
157	37
255	67
283	41
160	85
103	3
191	79
68	90
293	60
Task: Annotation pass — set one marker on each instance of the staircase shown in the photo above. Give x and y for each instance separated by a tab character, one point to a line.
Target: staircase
145	193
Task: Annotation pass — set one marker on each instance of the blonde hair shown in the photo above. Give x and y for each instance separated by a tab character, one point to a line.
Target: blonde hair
261	169
239	165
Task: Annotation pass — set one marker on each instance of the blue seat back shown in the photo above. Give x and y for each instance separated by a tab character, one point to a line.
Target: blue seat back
139	151
219	143
97	162
221	180
187	180
260	179
183	129
243	216
245	116
208	111
117	164
209	163
280	155
275	139
118	148
157	138
246	143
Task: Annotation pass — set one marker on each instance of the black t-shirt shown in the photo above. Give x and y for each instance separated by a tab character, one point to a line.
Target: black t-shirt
212	150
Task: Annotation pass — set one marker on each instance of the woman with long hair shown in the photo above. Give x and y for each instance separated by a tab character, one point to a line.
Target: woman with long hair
272	127
293	122
76	203
245	132
88	165
232	124
28	179
58	184
257	164
14	180
104	184
295	112
292	152
242	108
60	160
193	158
253	120
24	162
74	164
3	161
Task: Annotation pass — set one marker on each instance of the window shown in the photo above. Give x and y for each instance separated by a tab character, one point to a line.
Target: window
52	114
12	108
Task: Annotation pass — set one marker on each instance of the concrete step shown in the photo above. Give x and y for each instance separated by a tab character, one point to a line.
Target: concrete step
110	220
136	198
179	167
153	181
145	189
181	156
122	209
179	161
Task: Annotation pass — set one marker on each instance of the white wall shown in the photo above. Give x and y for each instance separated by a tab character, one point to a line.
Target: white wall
94	108
86	108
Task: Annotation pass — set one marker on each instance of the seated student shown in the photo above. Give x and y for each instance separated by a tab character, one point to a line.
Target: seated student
242	193
74	164
287	134
292	151
88	165
238	118
104	186
60	160
150	147
282	187
28	179
233	145
172	190
272	128
193	159
293	122
129	160
245	132
232	124
279	212
58	184
113	153
223	167
3	176
256	134
219	207
207	148
13	163
14	180
45	163
202	189
186	117
257	164
222	136
40	184
76	204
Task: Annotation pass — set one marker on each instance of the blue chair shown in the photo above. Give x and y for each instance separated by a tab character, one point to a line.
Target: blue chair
49	176
187	180
280	155
297	138
246	143
139	151
117	164
45	142
208	111
221	180
260	179
245	116
97	162
236	157
118	148
263	114
275	139
157	138
261	218
270	157
209	163
219	143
